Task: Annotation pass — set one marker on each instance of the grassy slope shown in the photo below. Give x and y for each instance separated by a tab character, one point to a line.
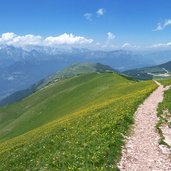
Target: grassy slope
72	70
165	105
88	139
75	70
165	82
60	99
164	110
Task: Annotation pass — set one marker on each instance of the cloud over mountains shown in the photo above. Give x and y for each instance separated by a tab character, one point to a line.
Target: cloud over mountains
13	39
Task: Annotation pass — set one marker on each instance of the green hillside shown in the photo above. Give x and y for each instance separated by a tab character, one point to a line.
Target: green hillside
56	100
74	123
164	111
165	82
73	70
148	73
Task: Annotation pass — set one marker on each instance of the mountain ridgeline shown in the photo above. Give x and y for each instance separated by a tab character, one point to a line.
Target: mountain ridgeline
34	63
148	73
73	70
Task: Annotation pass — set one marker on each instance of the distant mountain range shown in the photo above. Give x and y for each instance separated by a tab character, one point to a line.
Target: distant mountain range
22	67
147	73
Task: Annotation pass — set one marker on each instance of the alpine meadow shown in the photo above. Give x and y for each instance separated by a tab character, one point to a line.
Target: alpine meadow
85	85
80	131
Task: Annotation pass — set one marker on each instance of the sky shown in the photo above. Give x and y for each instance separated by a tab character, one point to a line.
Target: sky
90	23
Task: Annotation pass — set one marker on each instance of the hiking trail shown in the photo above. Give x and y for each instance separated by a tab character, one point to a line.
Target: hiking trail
142	151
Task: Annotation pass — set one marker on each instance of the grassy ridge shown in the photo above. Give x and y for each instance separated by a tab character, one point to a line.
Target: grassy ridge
89	139
71	71
60	99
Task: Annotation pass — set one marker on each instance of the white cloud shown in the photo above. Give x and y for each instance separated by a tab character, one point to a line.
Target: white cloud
100	12
7	36
110	36
67	39
128	45
88	16
162	45
13	39
125	45
162	26
108	44
29	39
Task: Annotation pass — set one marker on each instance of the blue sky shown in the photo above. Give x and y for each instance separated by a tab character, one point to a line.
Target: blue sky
109	22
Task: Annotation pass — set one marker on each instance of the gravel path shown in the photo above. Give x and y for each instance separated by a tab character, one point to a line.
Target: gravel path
142	151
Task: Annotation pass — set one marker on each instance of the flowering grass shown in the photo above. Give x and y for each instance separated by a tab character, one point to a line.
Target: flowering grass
165	82
87	139
164	114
